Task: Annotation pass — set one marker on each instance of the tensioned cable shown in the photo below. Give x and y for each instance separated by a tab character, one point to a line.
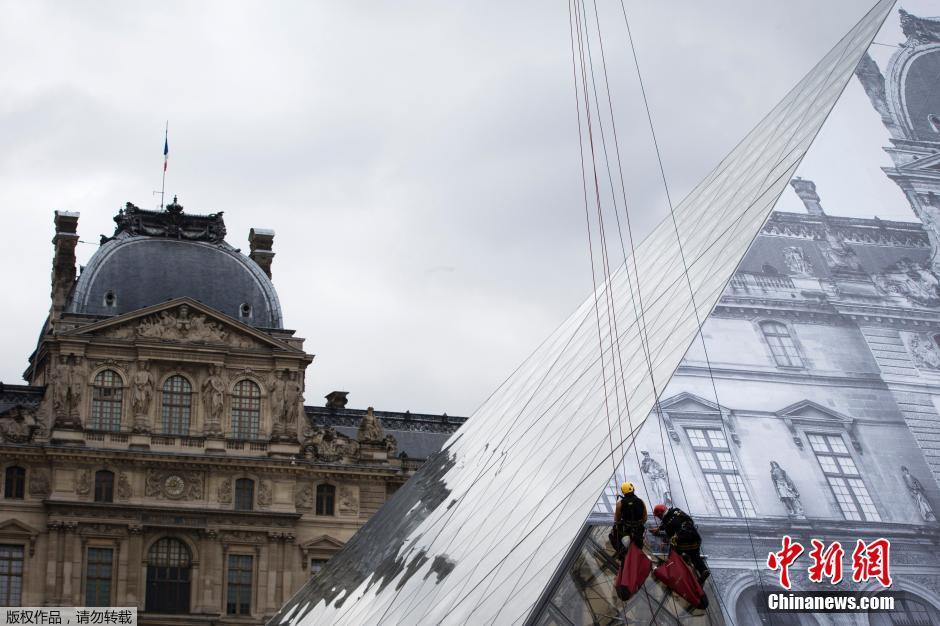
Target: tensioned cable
685	265
698	319
639	312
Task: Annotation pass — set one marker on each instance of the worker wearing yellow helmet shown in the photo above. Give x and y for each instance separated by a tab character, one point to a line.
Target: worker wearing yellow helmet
629	518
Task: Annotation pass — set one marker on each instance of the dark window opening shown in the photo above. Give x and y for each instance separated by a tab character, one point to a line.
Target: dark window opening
104	486
326	496
177	405
14	487
244	494
11	575
98	577
107	395
168	577
238	600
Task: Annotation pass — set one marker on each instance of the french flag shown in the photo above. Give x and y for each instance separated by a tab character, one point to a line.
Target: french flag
166	149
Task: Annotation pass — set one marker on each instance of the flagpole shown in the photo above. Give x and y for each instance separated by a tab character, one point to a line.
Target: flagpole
166	145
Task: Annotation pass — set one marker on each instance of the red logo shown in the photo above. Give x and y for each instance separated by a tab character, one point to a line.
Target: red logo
869	561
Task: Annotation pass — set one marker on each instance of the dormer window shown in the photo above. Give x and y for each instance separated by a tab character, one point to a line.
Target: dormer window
110	300
245	310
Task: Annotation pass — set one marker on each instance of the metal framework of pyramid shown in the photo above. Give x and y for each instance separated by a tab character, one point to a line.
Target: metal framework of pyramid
478	533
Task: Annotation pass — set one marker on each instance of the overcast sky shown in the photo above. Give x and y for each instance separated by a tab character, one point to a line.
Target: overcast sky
418	161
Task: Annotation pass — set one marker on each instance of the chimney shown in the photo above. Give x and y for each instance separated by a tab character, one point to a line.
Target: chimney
63	262
261	243
336	399
806	190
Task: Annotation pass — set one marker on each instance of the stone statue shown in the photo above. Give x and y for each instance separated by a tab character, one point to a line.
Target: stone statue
277	388
786	491
213	400
141	394
917	491
65	379
796	261
370	429
293	394
391	446
657	477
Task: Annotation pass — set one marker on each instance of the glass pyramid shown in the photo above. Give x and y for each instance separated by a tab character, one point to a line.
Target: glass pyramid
481	532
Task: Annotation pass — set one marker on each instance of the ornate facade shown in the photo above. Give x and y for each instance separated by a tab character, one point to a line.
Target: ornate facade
817	411
161	455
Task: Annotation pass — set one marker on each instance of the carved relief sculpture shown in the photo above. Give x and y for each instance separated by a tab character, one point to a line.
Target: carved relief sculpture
83	482
225	491
17	425
213	400
786	491
39	483
659	484
141	394
923	351
796	261
348	501
124	491
325	444
303	497
265	493
911	281
917	492
174	485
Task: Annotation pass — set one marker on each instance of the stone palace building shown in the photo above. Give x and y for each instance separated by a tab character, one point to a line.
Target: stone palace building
161	455
824	418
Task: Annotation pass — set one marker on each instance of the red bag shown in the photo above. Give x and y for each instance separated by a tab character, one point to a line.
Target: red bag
633	572
678	576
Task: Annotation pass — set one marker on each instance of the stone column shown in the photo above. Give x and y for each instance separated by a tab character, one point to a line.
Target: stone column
135	558
68	564
53	559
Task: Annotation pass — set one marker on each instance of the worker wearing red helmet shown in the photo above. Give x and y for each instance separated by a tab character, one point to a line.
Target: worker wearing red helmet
679	528
629	518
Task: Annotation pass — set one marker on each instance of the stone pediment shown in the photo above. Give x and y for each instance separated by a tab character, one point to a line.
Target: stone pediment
814	415
929	163
809	411
686	402
323	542
182	320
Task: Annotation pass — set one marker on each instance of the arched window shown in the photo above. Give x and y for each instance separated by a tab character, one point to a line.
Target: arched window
781	344
168	575
246	410
104	486
909	610
326	497
751	608
14	485
107	395
177	405
244	494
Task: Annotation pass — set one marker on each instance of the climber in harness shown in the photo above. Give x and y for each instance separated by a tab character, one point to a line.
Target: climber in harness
629	519
679	528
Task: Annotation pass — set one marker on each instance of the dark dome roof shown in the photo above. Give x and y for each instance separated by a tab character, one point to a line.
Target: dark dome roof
145	264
